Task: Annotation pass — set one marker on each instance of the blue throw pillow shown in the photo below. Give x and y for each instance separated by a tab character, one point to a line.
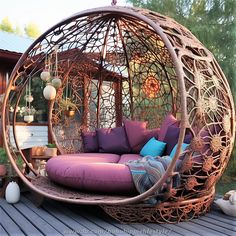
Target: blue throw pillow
183	147
153	148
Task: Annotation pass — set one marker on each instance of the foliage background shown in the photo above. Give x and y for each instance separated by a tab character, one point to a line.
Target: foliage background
213	23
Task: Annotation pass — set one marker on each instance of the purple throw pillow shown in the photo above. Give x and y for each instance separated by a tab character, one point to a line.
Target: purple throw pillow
147	135
113	140
172	136
169	120
90	141
135	131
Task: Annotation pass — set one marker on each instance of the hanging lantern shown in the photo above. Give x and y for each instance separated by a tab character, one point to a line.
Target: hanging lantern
12	193
45	75
151	87
49	92
56	83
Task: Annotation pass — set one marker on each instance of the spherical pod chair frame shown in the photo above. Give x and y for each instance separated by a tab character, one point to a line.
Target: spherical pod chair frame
118	62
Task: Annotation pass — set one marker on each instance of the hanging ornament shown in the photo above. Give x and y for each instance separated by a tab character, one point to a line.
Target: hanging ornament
28	116
151	87
56	82
12	193
45	75
29	98
49	92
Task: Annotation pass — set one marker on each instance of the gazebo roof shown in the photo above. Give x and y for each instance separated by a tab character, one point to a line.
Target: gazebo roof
14	43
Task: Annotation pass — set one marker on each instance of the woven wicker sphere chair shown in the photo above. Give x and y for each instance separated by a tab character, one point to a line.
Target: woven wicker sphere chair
117	62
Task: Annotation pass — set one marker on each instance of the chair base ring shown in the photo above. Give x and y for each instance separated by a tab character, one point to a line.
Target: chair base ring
167	212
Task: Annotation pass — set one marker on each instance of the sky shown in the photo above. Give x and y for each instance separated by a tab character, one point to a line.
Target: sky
46	13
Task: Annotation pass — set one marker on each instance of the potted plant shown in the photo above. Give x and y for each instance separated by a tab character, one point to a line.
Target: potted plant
68	107
3	162
28	113
51	150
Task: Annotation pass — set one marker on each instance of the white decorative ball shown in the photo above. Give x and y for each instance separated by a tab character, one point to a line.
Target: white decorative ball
56	82
12	193
49	92
45	75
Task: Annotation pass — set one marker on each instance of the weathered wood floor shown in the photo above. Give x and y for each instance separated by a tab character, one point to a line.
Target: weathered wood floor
55	218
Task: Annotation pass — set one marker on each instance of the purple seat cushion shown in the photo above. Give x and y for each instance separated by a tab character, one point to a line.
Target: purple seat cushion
94	157
128	157
113	140
172	136
90	176
168	121
90	141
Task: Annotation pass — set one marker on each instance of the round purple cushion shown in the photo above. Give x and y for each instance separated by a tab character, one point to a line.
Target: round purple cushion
128	157
93	175
93	157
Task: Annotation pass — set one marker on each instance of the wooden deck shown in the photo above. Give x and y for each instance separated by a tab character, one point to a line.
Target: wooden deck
56	218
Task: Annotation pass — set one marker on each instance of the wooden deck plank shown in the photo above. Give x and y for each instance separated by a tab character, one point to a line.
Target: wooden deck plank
3	232
95	221
75	226
24	224
67	219
9	225
100	218
156	229
176	229
153	231
57	224
217	229
221	214
221	218
220	223
195	228
40	223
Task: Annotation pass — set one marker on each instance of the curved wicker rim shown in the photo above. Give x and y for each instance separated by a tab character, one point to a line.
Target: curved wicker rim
183	100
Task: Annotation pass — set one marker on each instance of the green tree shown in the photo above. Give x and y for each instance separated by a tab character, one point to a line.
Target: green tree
6	25
32	30
212	21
